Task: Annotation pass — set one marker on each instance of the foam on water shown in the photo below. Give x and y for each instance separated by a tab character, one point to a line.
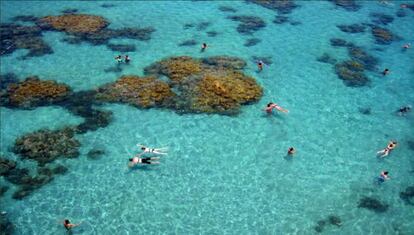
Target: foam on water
225	175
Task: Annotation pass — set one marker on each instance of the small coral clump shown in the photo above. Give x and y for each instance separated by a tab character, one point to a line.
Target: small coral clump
34	92
145	92
351	72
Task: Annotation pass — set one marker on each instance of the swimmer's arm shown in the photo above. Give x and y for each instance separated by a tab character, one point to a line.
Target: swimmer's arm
281	109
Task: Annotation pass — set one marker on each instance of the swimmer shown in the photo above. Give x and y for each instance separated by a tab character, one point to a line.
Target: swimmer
385	72
127	59
291	151
406	46
153	150
147	160
270	106
260	65
203	47
383	177
387	150
68	225
118	58
404	110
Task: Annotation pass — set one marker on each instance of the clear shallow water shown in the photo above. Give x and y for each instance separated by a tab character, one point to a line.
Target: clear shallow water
225	175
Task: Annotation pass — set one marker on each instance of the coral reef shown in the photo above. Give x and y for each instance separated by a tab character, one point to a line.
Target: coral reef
248	24
373	204
186	43
349	5
337	42
44	146
6	227
352	28
73	23
332	219
227	9
224	62
383	36
25	18
351	72
34	92
188	26
408	195
175	68
251	42
3	190
70	11
145	92
95	154
121	48
14	36
281	6
381	18
359	55
6	79
6	166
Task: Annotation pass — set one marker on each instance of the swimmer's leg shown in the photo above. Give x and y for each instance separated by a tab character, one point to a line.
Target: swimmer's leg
157	152
154	163
154	158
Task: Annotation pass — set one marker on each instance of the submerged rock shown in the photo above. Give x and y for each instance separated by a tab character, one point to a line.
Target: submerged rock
352	28
224	62
361	56
373	204
6	166
408	195
281	6
349	5
18	176
335	220
281	19
95	154
6	227
251	42
34	92
70	11
365	111
337	42
25	18
3	190
248	24
45	146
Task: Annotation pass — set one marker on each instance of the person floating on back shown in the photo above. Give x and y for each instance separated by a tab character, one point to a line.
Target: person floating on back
404	110
385	72
147	160
270	106
203	47
69	225
406	46
388	149
145	149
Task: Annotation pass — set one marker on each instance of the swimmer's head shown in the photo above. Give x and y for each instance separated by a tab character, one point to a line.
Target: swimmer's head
385	172
67	221
131	159
142	148
268	105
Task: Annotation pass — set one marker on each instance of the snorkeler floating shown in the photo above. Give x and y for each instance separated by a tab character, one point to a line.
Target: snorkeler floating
387	150
404	110
203	47
147	160
127	59
270	106
145	149
383	177
291	151
260	65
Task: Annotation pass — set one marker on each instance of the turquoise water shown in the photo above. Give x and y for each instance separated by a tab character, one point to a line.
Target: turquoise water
225	175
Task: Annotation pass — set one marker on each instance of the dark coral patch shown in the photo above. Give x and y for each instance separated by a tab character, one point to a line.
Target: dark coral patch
108	5
361	56
337	42
248	24
187	43
251	42
34	92
224	62
383	36
121	47
352	28
349	5
6	166
281	6
281	19
6	227
227	9
381	18
401	13
326	58
408	195
212	33
373	204
15	37
25	18
202	26
70	11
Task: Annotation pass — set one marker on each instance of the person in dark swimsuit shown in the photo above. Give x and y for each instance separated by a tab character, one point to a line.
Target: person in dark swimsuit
127	59
203	47
138	160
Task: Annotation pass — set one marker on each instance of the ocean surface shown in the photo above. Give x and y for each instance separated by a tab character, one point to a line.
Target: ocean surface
225	174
